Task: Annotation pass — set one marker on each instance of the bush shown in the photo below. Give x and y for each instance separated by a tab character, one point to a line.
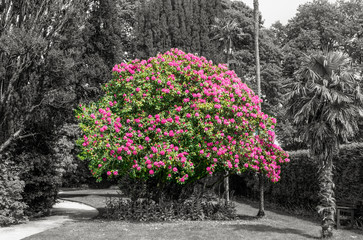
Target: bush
11	204
40	170
42	177
177	118
147	210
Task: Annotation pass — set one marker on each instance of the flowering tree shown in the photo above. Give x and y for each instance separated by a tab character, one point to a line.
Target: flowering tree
176	117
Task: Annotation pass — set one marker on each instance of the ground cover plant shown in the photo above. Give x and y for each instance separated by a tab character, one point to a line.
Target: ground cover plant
177	118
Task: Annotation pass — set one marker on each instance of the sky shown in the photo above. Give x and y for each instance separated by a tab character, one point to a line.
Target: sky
274	10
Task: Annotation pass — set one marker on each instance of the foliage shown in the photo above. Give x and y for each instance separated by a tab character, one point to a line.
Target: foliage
194	209
325	101
159	120
42	179
11	204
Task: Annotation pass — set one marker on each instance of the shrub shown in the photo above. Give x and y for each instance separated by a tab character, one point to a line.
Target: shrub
11	204
177	118
40	170
147	210
42	177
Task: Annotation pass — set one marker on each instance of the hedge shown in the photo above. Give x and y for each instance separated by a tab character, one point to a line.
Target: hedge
298	188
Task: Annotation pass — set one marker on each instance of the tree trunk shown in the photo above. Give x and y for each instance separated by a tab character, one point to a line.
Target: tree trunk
261	211
229	52
256	14
226	186
327	206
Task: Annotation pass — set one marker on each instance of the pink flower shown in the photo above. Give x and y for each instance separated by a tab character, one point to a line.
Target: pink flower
186	100
175	169
218	106
151	172
147	139
137	89
115	173
188	115
108	173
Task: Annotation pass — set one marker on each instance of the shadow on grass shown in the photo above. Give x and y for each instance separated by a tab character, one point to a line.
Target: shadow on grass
267	228
71	195
246	217
271	208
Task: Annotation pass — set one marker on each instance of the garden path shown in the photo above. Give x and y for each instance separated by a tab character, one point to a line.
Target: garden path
63	211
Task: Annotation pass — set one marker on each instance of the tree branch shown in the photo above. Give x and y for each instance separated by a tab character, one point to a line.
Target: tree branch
10	140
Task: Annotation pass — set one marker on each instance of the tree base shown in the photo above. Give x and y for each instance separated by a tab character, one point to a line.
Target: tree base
261	214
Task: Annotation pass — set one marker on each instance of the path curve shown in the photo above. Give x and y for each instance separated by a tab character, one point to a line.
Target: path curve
63	211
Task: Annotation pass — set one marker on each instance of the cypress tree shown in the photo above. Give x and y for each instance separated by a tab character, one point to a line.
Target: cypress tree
195	43
188	10
204	29
139	44
182	25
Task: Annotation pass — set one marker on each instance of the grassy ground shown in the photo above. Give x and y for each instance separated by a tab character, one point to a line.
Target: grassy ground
276	225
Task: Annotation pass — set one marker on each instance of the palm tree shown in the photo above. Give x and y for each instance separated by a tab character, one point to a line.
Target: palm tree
325	102
226	30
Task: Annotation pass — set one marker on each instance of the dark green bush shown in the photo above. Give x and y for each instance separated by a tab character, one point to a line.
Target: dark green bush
42	176
298	188
11	204
148	210
150	200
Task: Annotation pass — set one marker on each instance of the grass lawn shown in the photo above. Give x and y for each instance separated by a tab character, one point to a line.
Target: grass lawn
275	226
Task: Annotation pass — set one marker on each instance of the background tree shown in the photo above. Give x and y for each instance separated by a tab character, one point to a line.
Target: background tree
325	102
226	32
53	55
162	25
